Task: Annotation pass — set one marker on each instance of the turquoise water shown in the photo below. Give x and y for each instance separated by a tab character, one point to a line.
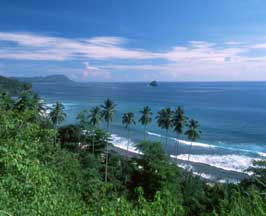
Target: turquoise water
231	114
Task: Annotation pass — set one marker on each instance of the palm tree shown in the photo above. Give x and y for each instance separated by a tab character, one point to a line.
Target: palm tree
95	116
145	118
178	122
128	120
193	133
94	120
82	117
57	114
164	120
39	103
26	101
107	114
159	118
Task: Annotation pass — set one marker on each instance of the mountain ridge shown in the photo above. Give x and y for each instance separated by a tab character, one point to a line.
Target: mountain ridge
56	78
12	85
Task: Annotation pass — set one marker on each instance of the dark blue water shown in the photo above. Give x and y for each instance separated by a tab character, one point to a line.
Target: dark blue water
232	115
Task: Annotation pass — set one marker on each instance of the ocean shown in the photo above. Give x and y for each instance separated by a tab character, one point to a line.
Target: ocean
232	117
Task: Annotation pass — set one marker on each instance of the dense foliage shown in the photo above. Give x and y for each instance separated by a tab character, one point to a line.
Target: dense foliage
46	169
12	86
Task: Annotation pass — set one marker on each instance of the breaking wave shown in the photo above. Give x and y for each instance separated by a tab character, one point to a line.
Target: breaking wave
205	145
238	163
183	141
122	143
229	162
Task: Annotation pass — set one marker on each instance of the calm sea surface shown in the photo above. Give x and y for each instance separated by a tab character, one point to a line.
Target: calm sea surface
232	118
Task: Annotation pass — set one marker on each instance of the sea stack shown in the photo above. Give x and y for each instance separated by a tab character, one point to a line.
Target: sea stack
153	83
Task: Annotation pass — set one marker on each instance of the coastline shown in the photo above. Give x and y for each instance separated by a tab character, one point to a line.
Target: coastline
228	144
204	171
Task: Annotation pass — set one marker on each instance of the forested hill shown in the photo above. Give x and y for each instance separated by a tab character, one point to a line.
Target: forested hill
49	169
13	86
47	79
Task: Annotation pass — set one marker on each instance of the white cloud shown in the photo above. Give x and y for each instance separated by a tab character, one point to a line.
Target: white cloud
27	39
94	72
34	47
233	43
201	44
107	40
258	46
196	60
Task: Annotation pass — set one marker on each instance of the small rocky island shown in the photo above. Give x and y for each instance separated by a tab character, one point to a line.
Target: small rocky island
153	83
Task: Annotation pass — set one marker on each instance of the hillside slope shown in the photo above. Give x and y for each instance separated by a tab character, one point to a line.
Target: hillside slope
46	79
13	86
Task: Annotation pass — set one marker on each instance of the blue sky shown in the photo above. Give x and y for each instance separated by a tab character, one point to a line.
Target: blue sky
140	40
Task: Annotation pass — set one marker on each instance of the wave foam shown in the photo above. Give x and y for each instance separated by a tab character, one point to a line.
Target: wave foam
263	154
153	134
122	142
183	141
238	163
205	145
232	162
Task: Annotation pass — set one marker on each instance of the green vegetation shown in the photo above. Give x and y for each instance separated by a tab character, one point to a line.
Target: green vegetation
107	114
164	120
193	133
59	78
146	118
128	119
57	115
41	175
12	86
179	121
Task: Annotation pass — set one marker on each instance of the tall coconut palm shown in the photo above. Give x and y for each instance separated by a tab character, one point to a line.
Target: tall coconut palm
164	120
108	110
193	133
82	117
107	114
57	114
95	116
178	122
128	119
94	120
39	104
146	118
159	119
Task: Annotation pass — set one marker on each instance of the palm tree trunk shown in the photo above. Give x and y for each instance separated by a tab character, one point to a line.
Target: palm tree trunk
56	131
166	139
106	157
144	132
127	142
188	158
189	152
93	142
177	146
55	136
161	135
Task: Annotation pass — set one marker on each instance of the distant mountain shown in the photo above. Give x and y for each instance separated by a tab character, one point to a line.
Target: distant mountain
47	79
12	85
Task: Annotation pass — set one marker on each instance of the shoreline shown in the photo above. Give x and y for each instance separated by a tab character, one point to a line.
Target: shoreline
204	171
